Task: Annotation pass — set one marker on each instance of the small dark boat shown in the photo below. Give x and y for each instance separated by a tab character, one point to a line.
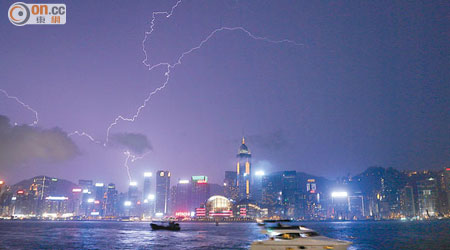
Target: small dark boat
171	226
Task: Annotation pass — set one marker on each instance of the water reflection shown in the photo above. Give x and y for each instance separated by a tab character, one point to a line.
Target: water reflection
137	235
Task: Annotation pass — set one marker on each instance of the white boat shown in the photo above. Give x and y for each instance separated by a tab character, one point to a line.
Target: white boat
286	237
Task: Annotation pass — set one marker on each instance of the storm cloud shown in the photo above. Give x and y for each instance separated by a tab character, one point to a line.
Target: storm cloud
24	143
273	141
135	142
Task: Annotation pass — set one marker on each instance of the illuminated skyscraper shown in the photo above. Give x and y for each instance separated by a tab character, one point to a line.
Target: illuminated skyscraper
427	195
200	191
99	199
111	201
162	191
182	197
147	184
148	198
243	170
229	185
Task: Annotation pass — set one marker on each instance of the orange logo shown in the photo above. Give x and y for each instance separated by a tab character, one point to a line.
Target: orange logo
21	14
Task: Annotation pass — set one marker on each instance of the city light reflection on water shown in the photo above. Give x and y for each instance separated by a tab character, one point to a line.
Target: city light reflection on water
137	235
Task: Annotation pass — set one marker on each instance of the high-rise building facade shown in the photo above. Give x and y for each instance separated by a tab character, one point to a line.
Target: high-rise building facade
427	196
148	197
200	191
111	201
182	198
99	200
407	202
229	185
257	186
447	187
147	185
162	192
243	172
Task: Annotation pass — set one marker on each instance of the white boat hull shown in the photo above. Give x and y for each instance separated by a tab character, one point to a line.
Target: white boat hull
266	245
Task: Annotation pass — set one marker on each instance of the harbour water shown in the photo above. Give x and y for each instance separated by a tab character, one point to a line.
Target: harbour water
137	235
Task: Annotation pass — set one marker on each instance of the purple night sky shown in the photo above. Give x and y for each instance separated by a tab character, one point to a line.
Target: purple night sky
369	86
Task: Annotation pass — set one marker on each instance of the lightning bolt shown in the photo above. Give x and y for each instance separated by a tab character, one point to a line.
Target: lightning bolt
170	67
36	116
132	158
91	138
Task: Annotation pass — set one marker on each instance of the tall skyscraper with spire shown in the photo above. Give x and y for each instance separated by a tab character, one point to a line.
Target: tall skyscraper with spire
244	171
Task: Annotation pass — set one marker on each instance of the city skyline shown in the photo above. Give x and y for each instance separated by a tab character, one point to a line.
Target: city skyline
345	92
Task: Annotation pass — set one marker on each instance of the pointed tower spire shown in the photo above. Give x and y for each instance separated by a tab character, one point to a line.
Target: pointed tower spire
243	140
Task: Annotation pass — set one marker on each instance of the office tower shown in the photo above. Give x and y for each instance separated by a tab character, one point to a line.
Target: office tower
148	204
447	187
243	171
111	201
99	199
86	196
280	194
257	186
427	197
407	201
147	185
133	199
182	198
200	191
229	185
162	192
215	189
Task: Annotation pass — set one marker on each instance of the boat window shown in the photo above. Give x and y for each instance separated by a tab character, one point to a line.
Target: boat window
288	236
309	234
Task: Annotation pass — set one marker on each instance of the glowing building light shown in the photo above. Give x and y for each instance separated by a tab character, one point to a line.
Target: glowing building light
183	182
85	191
50	215
99	184
97	202
151	197
90	200
14	198
225	184
127	203
95	213
159	214
161	174
133	183
145	201
76	190
2	182
148	174
259	173
339	194
182	214
56	198
20	192
200	178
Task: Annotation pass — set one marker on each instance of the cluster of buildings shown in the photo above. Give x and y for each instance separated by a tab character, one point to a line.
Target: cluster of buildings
245	194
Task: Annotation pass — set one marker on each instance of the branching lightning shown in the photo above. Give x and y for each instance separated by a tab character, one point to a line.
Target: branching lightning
133	158
169	67
36	116
76	132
